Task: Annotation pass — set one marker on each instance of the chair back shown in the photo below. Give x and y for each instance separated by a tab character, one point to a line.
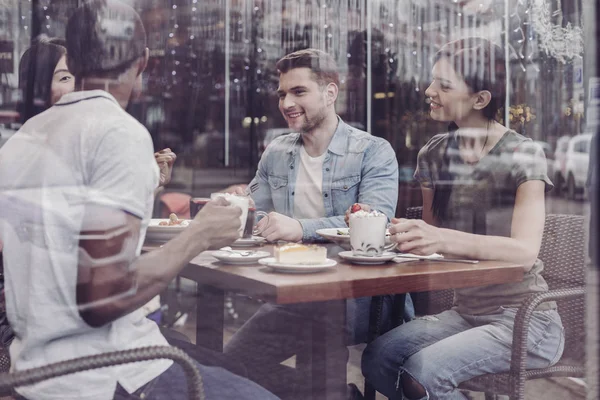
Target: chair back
563	255
414	213
8	381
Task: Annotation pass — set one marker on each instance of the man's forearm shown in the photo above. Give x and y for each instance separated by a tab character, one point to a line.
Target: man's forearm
310	226
152	271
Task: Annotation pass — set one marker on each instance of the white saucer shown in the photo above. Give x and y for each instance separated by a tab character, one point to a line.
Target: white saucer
228	257
364	260
297	268
249	242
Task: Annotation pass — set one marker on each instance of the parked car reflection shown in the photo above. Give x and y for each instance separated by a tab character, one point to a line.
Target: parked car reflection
577	159
559	164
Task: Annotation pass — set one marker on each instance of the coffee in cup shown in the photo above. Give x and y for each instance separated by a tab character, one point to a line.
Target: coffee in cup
196	204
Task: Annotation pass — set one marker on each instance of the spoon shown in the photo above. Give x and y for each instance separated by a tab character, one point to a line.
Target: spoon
241	253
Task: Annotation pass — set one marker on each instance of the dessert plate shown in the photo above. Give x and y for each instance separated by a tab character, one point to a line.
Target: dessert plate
297	268
163	233
364	260
249	242
238	257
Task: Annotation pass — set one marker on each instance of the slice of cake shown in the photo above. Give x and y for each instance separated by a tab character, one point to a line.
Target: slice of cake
293	253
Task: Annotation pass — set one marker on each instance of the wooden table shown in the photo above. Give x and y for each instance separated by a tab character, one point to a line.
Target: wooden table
346	281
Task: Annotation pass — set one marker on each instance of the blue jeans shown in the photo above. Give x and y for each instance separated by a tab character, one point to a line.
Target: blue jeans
278	332
441	351
219	384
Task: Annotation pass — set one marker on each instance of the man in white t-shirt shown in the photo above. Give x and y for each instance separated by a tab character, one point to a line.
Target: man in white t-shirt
306	181
76	195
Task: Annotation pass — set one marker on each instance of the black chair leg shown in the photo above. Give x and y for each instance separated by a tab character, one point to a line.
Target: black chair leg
398	310
374	331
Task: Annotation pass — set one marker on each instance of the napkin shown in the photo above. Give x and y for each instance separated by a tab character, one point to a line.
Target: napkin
406	257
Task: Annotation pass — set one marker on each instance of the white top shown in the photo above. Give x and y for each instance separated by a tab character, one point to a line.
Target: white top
308	194
86	150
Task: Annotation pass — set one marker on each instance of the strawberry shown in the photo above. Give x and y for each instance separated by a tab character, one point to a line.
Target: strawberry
355	208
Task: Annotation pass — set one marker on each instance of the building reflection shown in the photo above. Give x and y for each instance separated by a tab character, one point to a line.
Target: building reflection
209	88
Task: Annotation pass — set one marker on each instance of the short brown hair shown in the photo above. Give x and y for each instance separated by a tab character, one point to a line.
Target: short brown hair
323	66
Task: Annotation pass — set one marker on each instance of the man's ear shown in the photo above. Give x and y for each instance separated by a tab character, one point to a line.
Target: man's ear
331	92
143	61
482	99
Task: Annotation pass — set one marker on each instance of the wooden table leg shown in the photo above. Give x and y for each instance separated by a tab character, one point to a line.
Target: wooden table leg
210	304
329	353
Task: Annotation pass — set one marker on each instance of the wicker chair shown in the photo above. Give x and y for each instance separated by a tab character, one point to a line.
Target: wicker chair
8	381
563	254
4	360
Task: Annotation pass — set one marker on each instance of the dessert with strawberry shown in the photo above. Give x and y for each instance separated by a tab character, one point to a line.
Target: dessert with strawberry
355	207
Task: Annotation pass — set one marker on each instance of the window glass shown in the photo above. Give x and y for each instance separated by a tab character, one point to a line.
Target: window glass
209	93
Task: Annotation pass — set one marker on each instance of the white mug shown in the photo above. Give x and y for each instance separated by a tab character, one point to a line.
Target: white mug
367	236
238	201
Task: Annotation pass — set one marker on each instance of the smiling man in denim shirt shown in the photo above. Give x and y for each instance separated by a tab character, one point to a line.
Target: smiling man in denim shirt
307	180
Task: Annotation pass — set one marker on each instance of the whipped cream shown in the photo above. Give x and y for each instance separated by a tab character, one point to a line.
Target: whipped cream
366	214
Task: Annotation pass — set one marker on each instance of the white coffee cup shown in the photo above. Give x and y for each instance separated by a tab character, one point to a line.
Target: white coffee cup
367	235
238	201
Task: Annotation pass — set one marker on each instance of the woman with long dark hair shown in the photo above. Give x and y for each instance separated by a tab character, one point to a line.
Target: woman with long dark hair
43	76
482	199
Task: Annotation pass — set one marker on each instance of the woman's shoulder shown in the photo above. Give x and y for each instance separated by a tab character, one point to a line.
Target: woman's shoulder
435	146
513	140
438	140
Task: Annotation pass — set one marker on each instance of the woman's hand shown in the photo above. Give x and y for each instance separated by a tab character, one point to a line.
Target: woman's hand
165	160
354	208
417	237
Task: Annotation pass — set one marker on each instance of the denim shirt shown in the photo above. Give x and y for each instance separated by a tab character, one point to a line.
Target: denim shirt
358	168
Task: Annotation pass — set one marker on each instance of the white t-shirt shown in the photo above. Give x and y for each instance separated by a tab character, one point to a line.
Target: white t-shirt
86	150
308	194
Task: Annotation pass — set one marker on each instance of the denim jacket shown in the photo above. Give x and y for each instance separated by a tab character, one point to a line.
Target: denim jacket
358	168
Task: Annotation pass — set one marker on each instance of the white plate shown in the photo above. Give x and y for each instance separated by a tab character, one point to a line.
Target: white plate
237	259
364	260
297	268
162	233
341	236
249	242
